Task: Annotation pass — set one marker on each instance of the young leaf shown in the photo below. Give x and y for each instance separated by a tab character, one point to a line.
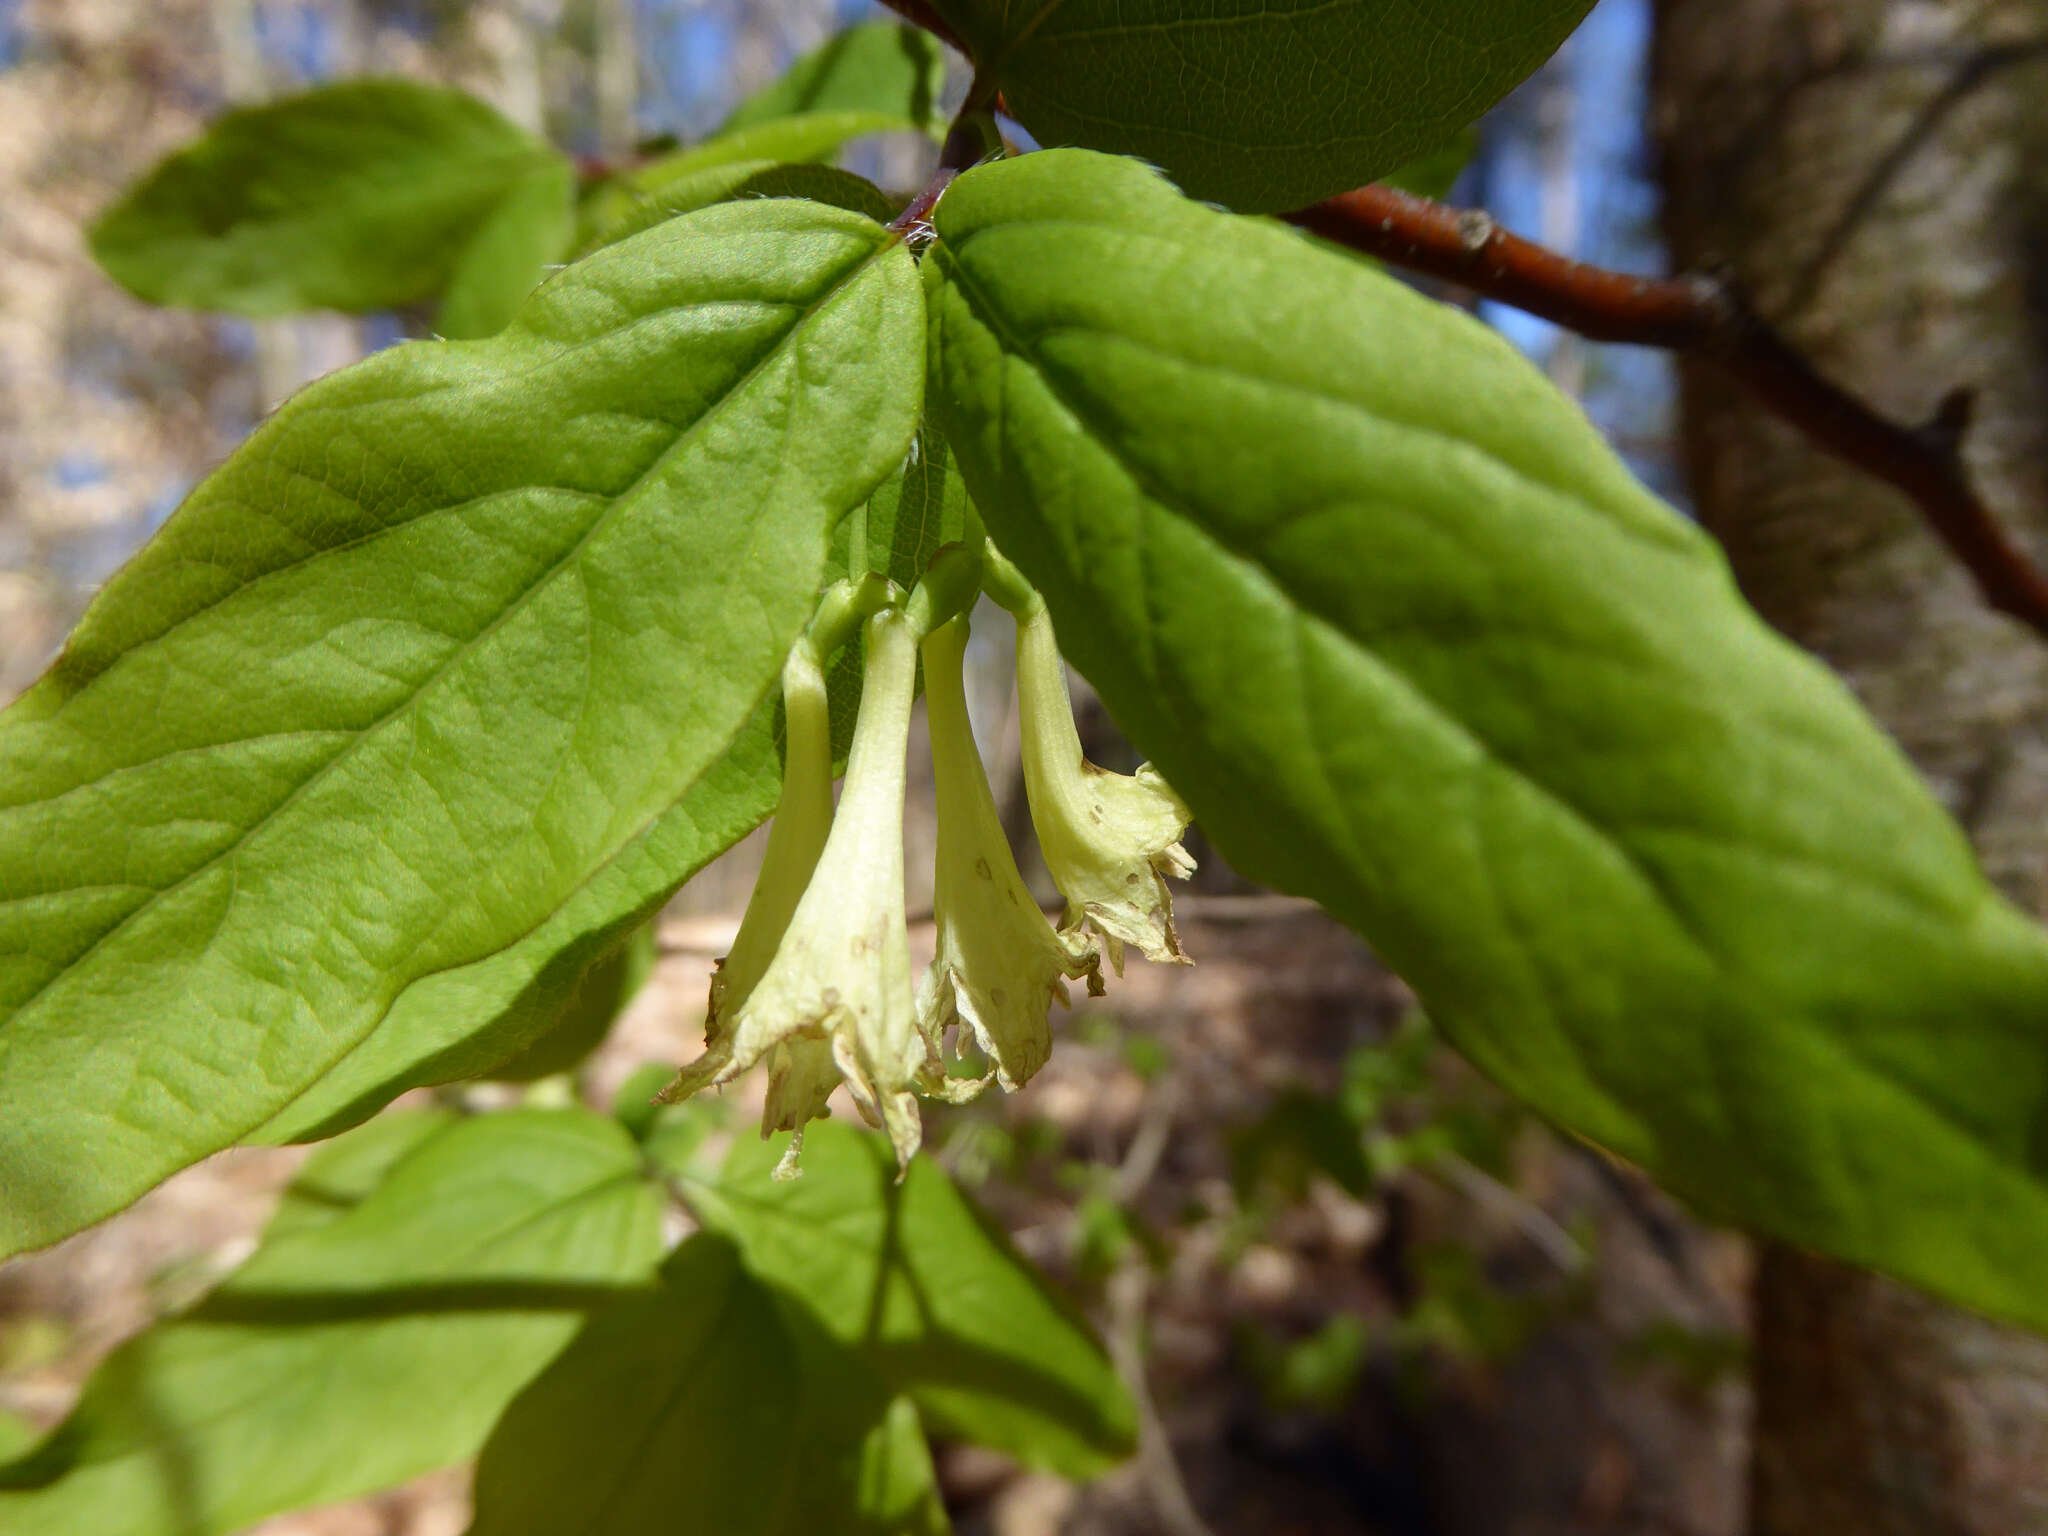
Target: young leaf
506	258
450	638
358	196
712	1406
683	180
878	66
351	1355
620	211
933	1296
1261	106
1383	607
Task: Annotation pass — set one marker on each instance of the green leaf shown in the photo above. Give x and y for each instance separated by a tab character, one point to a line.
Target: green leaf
431	668
879	66
626	207
1384	608
600	996
713	1406
916	511
1435	173
1261	106
359	196
17	1435
679	181
509	253
342	1173
468	1020
930	1292
350	1356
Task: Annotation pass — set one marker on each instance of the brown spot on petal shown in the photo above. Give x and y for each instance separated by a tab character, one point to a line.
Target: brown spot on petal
981	868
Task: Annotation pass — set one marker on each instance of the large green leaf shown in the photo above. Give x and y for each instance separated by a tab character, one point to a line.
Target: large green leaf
433	665
358	196
1262	106
712	1408
349	1355
929	1291
469	1020
878	66
1409	639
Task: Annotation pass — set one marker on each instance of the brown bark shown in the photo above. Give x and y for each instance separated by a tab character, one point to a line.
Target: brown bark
1873	173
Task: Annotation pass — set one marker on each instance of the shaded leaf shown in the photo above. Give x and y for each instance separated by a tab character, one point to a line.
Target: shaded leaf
600	996
625	208
930	1292
364	195
351	1356
1435	173
678	181
430	669
1261	106
916	511
712	1406
1384	608
878	66
510	253
343	1172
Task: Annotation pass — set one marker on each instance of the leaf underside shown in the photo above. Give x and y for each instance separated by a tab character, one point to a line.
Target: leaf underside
1263	106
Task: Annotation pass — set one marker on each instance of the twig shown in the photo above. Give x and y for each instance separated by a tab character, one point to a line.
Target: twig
1702	316
1129	1291
1534	1223
966	144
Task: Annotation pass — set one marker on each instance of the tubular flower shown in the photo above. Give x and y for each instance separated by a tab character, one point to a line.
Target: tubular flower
840	976
1000	965
801	1074
1109	839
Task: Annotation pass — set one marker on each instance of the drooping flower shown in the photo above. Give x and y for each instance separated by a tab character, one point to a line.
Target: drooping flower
839	979
1000	965
1110	839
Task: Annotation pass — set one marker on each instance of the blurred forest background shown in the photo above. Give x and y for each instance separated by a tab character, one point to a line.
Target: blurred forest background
1359	1291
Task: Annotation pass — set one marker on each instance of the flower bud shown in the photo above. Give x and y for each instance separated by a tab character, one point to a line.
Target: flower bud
1000	965
1109	839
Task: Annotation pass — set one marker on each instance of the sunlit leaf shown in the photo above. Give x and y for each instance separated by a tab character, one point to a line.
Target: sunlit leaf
1380	603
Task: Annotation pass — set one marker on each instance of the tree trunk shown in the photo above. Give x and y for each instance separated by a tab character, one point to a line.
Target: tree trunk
1873	173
